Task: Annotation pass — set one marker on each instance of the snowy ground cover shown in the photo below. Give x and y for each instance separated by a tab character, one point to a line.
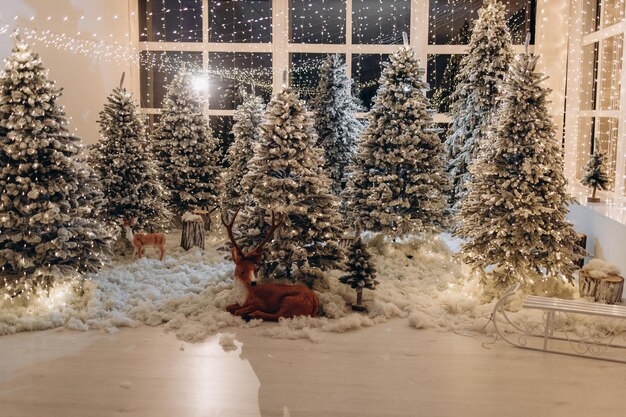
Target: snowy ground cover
419	281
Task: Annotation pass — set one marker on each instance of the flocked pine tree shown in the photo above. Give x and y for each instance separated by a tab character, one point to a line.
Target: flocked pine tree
398	183
361	272
126	166
514	216
185	148
47	229
596	175
286	175
475	99
248	117
336	123
442	95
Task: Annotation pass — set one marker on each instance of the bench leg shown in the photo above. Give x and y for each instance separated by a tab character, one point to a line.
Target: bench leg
548	330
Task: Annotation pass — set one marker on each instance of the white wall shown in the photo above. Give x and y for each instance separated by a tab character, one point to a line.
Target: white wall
606	238
85	78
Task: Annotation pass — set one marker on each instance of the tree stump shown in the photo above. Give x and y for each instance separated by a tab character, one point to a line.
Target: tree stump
193	232
206	216
607	289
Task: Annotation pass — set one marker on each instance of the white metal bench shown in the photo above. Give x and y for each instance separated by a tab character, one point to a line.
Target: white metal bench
544	336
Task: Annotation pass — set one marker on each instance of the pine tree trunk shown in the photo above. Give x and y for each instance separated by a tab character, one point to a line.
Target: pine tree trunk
593	198
604	290
193	234
358	306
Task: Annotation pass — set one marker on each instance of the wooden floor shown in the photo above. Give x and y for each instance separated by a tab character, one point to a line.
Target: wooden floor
388	370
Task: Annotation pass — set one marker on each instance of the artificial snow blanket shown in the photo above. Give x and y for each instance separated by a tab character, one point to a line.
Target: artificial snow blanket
188	292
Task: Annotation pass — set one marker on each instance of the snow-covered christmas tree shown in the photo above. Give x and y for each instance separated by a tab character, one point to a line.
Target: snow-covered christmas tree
361	272
125	164
235	192
514	216
47	229
336	123
398	183
287	175
185	148
476	96
596	175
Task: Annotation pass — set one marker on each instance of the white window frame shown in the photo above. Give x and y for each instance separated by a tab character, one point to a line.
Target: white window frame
280	47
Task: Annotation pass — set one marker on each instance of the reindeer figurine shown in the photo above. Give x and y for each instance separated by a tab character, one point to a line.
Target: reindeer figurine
141	240
265	301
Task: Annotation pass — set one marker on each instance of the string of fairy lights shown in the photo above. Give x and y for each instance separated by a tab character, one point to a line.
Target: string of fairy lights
181	24
600	91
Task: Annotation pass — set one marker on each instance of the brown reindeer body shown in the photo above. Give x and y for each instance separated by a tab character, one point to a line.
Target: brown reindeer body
266	301
273	301
141	240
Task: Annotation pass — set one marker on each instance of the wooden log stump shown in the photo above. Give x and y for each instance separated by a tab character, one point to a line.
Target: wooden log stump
193	232
206	216
604	289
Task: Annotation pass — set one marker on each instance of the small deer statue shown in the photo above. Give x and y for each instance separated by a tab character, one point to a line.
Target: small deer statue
265	301
141	240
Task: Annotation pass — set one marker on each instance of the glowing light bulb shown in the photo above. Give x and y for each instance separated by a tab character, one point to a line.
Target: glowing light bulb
200	83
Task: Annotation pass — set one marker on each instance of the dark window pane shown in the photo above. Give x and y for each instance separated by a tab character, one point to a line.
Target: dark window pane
170	20
158	70
366	70
380	22
230	72
222	127
447	17
320	22
305	73
240	21
442	72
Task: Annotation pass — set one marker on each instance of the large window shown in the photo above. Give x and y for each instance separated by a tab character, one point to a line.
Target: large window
596	112
260	45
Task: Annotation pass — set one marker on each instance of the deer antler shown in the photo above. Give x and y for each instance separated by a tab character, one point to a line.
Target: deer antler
273	226
229	229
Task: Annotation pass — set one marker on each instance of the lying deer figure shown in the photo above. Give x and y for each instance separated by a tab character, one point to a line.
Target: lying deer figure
141	240
265	301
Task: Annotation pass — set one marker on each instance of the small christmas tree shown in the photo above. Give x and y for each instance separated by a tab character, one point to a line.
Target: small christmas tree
47	199
286	175
235	192
398	183
336	123
596	175
361	272
475	99
128	173
514	218
185	148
